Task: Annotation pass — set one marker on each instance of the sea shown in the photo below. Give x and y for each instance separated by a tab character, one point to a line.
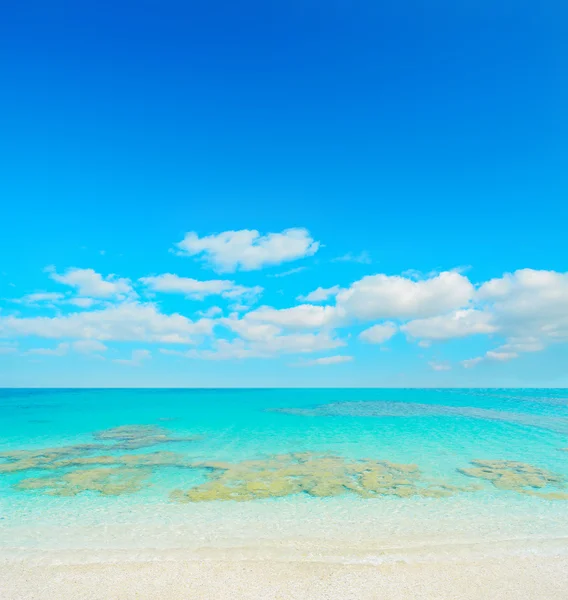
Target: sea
347	475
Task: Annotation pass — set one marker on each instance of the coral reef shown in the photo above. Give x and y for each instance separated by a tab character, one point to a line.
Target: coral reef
518	477
313	474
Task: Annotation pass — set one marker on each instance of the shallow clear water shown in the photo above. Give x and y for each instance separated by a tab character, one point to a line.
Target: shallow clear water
527	426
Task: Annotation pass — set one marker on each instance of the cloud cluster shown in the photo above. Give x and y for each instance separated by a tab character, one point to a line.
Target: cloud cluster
91	284
520	312
247	249
170	283
136	359
128	321
378	334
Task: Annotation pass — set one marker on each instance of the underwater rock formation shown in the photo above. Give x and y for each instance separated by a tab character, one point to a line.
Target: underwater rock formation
519	477
105	481
313	474
132	437
42	458
125	437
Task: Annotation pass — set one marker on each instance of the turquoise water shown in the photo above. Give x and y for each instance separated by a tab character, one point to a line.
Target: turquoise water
439	430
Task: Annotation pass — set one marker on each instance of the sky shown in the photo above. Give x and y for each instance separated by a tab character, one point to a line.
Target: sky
284	194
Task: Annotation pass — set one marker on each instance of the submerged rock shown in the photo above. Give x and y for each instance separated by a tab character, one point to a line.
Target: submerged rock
105	481
519	477
313	474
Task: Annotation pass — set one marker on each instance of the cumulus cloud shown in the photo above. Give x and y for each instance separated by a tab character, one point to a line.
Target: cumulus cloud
491	355
59	350
211	312
303	316
89	346
51	299
41	297
136	359
386	297
193	288
457	324
329	360
247	249
92	284
378	334
269	346
82	302
320	294
529	305
129	321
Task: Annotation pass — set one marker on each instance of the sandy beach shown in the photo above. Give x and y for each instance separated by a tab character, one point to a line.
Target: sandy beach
511	578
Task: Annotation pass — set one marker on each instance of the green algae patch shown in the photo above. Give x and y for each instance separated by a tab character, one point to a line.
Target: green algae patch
519	477
104	481
316	475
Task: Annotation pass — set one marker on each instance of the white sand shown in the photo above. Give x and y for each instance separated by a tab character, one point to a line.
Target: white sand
386	551
510	578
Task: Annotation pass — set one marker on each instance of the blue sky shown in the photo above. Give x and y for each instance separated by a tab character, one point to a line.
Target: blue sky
409	159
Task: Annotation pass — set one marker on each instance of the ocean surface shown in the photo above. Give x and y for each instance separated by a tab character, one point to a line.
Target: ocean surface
346	474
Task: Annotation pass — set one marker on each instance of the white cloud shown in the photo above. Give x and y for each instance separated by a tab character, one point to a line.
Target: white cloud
439	366
90	283
289	272
522	344
303	316
491	355
267	345
471	362
329	360
320	294
248	250
494	355
362	258
457	324
136	359
41	297
59	350
250	330
212	311
8	349
82	302
89	346
196	289
377	334
383	296
529	305
50	299
130	321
